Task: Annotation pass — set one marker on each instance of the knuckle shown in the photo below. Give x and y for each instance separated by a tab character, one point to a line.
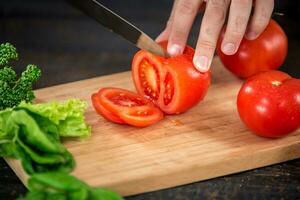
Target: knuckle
219	3
259	26
239	25
263	15
178	35
235	35
187	7
206	44
169	24
243	2
217	13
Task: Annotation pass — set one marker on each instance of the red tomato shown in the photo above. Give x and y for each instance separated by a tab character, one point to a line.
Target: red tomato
267	52
122	106
103	111
172	83
269	104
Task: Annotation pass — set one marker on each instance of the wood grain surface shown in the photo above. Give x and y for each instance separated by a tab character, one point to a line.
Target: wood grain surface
205	142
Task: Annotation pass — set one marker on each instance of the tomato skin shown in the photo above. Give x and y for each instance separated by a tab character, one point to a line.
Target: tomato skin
269	104
125	107
267	52
100	109
190	86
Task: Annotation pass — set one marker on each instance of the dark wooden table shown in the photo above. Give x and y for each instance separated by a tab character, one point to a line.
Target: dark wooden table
69	46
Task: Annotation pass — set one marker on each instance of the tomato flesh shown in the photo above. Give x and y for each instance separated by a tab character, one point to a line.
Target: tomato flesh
150	81
173	84
269	104
103	111
126	101
169	89
123	106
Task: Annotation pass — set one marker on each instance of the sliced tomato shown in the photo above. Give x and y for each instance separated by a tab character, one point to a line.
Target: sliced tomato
123	106
173	84
103	111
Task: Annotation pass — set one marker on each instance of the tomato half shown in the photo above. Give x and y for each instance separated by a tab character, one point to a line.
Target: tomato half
122	106
267	52
173	84
269	104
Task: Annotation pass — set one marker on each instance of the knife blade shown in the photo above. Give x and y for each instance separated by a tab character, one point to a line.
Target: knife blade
119	25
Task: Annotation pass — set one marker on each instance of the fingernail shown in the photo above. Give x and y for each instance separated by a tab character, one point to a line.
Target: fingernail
201	63
251	35
228	48
174	50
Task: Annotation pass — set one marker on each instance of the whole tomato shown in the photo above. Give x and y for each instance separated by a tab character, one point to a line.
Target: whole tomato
269	104
267	52
173	84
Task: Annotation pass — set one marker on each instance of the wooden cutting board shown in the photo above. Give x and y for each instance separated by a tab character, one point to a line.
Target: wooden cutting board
206	142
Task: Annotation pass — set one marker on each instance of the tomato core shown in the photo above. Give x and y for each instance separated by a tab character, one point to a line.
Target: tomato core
149	77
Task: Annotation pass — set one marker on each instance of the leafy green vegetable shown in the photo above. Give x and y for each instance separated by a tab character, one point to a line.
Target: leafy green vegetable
7	52
32	134
57	185
13	90
68	116
34	140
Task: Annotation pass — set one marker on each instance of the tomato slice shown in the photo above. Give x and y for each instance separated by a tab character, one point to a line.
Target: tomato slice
173	84
103	111
123	106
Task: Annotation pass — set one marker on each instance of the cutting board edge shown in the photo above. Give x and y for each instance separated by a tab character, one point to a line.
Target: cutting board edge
132	187
149	184
16	166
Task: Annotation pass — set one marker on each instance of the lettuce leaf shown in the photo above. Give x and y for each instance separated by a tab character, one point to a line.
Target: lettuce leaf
68	116
34	140
57	185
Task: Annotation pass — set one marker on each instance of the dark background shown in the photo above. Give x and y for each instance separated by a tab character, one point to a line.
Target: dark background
70	46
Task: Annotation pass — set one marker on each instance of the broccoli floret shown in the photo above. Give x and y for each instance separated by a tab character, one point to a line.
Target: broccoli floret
7	52
13	90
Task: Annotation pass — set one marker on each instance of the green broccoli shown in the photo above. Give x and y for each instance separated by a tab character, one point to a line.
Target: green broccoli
12	89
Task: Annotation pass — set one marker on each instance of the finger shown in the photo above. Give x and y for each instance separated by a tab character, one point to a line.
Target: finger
239	14
262	13
165	34
185	13
211	26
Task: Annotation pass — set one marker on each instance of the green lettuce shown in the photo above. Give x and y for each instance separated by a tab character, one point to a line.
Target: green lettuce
31	133
68	116
34	140
57	185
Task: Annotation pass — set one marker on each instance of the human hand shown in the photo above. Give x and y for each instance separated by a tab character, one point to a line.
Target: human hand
239	24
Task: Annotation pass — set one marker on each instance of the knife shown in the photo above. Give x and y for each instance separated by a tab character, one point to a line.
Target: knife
119	25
